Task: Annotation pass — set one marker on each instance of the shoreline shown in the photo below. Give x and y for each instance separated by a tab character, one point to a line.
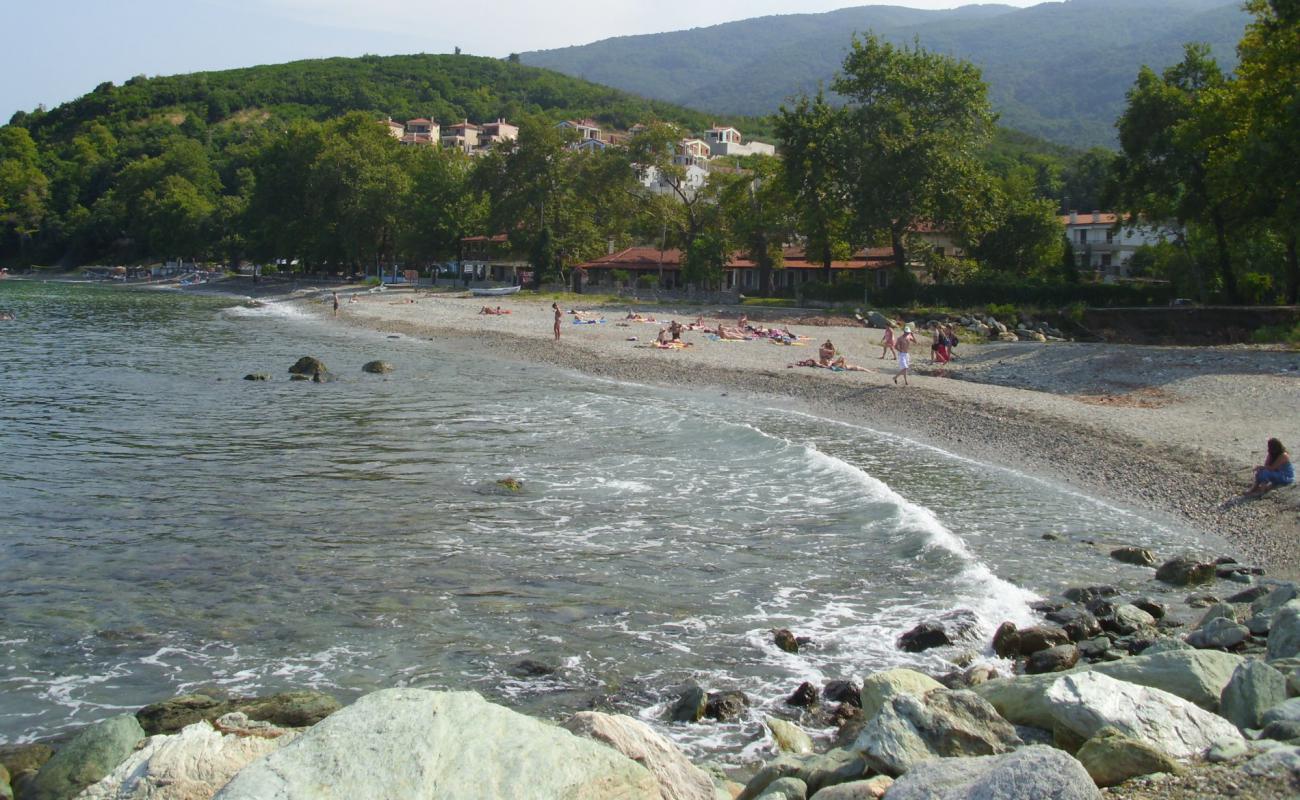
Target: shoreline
1059	438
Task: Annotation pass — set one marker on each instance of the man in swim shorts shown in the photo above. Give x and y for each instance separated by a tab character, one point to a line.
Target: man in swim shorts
904	347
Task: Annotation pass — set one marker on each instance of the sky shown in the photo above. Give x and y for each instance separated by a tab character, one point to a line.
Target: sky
52	52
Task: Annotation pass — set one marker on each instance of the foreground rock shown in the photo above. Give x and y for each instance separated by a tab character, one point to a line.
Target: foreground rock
90	756
191	765
1111	758
1284	636
1255	688
447	745
677	777
1036	772
879	687
1087	703
942	723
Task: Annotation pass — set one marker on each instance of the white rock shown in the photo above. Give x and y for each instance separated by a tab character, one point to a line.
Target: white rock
191	765
678	778
1087	702
413	744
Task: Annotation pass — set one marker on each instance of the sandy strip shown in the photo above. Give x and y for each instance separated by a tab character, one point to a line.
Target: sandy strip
1174	429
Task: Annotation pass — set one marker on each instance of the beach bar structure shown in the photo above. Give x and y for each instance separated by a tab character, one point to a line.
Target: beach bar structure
490	258
740	273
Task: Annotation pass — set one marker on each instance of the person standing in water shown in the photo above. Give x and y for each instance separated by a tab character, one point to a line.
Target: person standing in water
336	303
556	308
904	347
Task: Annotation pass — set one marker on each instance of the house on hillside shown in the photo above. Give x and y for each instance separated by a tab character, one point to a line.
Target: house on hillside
415	131
689	152
1104	243
395	129
727	141
586	128
499	131
692	180
591	146
463	136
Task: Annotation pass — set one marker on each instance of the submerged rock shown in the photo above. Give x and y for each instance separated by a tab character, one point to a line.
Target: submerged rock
257	376
725	706
1139	556
1185	571
309	366
925	636
418	743
377	367
786	640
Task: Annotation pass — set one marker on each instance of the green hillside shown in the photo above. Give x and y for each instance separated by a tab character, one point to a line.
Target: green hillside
442	87
1057	70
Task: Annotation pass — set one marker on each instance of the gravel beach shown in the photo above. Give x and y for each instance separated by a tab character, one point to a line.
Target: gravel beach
1173	429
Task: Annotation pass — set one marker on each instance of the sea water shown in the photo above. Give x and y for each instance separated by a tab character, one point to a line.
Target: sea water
168	527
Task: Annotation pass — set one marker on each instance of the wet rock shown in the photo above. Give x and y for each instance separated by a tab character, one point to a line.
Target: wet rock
1152	607
1203	600
1112	758
1093	649
1185	571
1255	688
690	705
1053	659
1088	702
377	367
1218	634
1218	611
725	706
1077	623
786	640
86	759
843	692
323	377
1284	634
1031	772
805	695
287	709
789	738
257	376
170	716
418	743
677	777
879	687
923	637
1085	594
533	669
1139	556
1006	640
1041	637
19	758
299	378
1250	595
942	723
1129	619
309	366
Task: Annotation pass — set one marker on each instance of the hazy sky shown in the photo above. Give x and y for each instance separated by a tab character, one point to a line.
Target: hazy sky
52	52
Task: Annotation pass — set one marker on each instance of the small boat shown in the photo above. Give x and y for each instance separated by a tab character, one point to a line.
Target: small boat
497	291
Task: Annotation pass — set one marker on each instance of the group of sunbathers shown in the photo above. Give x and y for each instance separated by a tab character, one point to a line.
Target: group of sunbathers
496	312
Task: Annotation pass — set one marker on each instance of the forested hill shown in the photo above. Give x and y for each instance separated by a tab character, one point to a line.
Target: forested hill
1057	70
446	88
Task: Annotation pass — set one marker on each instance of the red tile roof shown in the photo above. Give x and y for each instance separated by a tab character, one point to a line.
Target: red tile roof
1091	219
649	258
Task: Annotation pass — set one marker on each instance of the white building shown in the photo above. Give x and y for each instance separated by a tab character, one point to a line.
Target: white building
728	142
693	179
1103	243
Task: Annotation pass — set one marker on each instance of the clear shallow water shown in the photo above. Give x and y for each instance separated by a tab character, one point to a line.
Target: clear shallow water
168	526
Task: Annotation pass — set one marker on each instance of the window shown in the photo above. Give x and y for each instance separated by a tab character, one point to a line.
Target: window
1110	237
1083	236
1105	261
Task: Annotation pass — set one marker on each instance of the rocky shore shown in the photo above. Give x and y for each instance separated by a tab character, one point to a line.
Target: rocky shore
1107	696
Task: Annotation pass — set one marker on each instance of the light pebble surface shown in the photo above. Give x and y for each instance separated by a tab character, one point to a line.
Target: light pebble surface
1174	429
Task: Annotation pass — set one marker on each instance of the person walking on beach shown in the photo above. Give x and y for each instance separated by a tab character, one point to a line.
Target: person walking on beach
556	308
904	347
1276	471
336	303
887	343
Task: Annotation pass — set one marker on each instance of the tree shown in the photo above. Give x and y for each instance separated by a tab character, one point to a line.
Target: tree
761	216
1169	133
1083	181
813	177
914	124
1026	236
24	188
444	208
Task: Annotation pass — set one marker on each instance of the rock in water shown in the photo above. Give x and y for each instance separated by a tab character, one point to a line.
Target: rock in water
194	763
1185	571
690	706
786	640
1031	772
309	366
805	695
724	706
91	755
1254	689
1086	703
677	777
1139	556
843	692
1041	637
924	637
377	367
789	738
257	376
418	744
878	687
1112	758
512	485
170	716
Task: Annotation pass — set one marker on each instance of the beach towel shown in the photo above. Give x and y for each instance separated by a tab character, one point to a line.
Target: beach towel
589	322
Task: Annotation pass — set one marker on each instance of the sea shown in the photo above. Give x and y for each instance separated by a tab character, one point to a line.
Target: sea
167	527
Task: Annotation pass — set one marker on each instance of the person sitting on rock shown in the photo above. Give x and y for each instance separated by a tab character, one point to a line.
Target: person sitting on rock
1276	471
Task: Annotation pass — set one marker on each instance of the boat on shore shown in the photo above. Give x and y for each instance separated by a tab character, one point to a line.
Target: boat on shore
496	291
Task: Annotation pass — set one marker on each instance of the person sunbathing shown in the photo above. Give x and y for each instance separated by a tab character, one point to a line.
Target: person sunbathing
840	364
730	334
697	325
826	353
498	311
636	316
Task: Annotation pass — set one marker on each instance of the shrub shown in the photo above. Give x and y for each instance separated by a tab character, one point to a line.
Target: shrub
1002	311
1275	334
372	281
647	281
1256	288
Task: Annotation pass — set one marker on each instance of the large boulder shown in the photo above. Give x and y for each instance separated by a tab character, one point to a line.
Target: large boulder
878	687
690	706
924	636
1219	633
785	789
942	723
1288	711
1086	703
91	755
1038	772
309	366
1284	636
1041	637
677	777
1254	689
190	765
414	743
1185	571
300	709
1112	758
1195	675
